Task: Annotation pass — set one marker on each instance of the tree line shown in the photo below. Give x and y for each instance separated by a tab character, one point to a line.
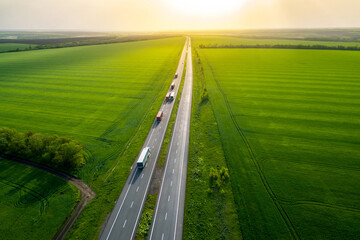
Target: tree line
58	152
72	42
283	46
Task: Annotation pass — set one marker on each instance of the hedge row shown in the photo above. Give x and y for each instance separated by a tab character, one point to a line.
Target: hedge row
283	46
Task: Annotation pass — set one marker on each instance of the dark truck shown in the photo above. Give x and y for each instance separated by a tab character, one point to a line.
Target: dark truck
176	75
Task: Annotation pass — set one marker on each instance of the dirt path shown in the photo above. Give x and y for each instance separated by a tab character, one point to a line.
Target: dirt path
86	193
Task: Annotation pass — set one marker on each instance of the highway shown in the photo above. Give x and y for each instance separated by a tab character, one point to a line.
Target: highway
169	211
124	219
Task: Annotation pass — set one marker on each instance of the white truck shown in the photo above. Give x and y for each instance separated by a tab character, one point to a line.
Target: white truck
144	155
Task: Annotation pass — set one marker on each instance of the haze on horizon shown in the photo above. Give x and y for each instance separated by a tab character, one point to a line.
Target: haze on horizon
164	15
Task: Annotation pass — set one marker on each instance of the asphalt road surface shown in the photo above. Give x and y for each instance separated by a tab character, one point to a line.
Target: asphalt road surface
169	211
124	219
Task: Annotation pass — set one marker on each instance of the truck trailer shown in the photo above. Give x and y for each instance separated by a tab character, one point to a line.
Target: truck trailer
167	98
172	85
159	116
144	155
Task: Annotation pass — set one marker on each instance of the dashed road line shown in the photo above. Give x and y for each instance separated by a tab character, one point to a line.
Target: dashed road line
125	223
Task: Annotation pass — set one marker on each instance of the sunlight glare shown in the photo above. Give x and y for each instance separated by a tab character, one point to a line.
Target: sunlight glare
206	7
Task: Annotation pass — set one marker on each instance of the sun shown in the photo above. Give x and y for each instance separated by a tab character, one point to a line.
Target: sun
206	7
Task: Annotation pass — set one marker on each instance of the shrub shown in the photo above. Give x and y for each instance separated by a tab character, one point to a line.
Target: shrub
218	178
224	173
204	96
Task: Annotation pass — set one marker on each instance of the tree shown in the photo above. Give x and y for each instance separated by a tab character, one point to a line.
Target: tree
60	152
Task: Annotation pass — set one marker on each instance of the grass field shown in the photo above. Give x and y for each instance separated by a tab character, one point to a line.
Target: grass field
221	40
289	122
31	199
105	96
5	47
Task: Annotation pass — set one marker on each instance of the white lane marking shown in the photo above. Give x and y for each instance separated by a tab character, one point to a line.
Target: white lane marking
142	175
153	146
169	198
176	151
171	184
175	160
124	223
155	139
165	216
117	214
162	236
173	171
178	144
131	204
162	184
137	189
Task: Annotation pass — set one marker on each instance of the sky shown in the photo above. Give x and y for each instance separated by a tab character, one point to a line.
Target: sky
172	15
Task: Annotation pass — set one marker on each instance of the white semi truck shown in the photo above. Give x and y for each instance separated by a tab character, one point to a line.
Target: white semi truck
144	155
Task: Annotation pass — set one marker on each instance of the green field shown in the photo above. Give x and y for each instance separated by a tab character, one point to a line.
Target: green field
289	122
5	47
221	40
105	96
31	199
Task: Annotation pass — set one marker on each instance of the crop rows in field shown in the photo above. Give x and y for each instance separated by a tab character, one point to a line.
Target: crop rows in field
99	95
31	199
290	125
222	41
96	94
